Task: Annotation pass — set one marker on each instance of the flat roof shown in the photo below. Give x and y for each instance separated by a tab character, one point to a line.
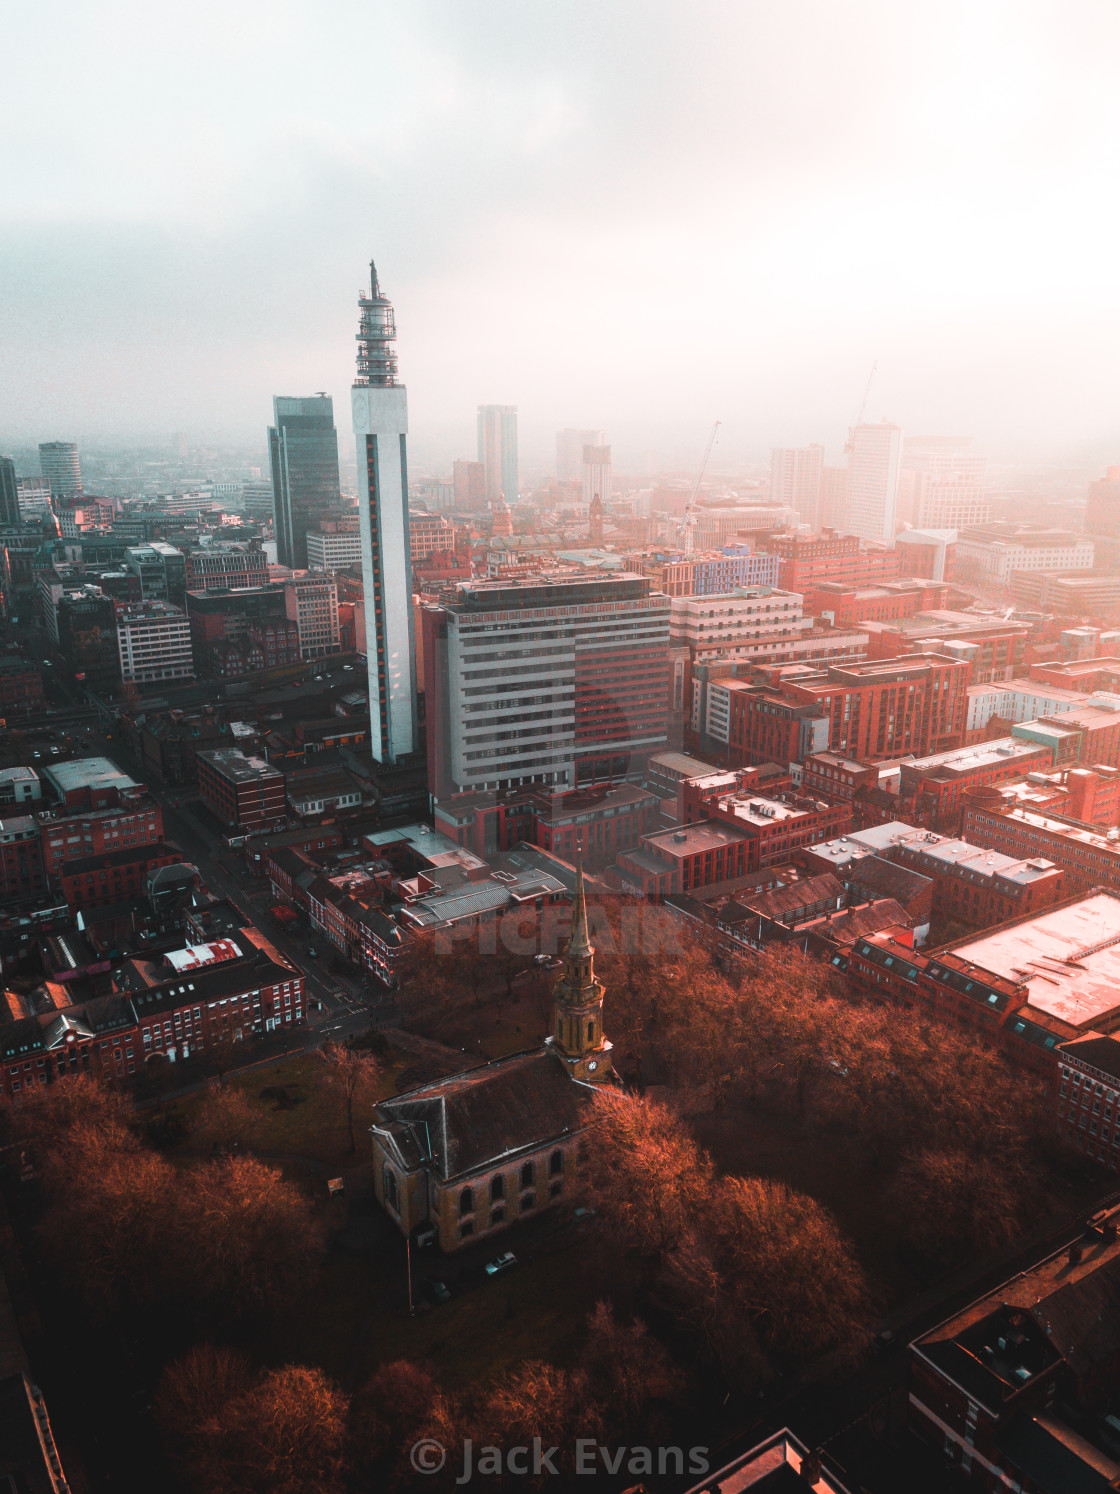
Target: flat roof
681	762
1067	829
757	809
231	762
86	772
981	755
1068	958
686	840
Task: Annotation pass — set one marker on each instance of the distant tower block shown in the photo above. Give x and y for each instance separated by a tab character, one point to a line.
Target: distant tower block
380	406
596	474
596	512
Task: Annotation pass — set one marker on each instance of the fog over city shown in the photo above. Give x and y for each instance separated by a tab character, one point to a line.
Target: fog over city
641	217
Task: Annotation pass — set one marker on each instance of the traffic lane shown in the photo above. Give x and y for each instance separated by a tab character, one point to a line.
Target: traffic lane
190	837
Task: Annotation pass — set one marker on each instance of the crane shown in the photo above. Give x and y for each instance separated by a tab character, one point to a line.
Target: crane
690	506
863	406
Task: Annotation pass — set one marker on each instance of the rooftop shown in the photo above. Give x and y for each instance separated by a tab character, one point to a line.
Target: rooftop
680	764
232	763
1068	958
968	759
689	840
86	772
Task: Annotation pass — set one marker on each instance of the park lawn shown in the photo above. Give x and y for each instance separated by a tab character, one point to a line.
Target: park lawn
747	1144
355	1318
315	1126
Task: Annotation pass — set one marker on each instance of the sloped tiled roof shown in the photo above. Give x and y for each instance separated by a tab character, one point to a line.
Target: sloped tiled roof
470	1120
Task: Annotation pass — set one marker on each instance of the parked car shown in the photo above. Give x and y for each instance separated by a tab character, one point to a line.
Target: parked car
503	1263
313	951
426	1235
348	666
437	1292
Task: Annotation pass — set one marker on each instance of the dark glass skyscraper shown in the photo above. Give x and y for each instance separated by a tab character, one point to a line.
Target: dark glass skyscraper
9	492
303	455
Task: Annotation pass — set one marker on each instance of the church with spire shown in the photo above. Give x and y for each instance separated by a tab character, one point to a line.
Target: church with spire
468	1155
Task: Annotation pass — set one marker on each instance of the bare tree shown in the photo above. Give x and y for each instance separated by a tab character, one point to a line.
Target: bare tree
226	1120
351	1073
285	1435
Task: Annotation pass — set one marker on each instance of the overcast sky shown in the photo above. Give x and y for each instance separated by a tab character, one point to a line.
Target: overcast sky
642	216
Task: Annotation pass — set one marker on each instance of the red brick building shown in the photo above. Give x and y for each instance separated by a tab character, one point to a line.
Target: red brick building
233	989
94	881
596	822
22	879
836	775
893	600
135	820
21	687
1011	1392
932	789
866	712
98	1037
246	793
804	562
1090	858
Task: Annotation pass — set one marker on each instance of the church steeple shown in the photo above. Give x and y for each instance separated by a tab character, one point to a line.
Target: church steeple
577	1035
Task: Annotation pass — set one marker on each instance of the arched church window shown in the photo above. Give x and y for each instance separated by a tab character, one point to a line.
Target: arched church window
466	1202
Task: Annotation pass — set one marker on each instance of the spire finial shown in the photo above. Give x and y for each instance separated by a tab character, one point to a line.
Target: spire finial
579	941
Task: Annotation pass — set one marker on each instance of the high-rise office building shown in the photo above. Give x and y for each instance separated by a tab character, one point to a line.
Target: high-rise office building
62	472
303	455
34	499
795	480
380	406
497	451
834	498
9	492
874	453
596	474
558	680
569	452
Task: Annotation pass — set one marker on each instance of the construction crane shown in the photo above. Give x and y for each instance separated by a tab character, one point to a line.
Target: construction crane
863	406
690	506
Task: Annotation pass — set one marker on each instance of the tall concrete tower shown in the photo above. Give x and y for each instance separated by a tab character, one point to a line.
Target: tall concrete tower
380	406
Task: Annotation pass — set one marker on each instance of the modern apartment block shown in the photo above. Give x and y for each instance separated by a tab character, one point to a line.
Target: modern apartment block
558	679
874	457
154	642
497	451
795	480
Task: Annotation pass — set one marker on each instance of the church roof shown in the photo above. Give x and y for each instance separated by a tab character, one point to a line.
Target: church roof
471	1120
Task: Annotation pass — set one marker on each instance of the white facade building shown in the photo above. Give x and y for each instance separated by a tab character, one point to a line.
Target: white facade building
154	642
991	561
595	470
749	612
795	480
874	454
333	552
380	409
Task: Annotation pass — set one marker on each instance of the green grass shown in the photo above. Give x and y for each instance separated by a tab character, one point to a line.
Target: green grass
316	1125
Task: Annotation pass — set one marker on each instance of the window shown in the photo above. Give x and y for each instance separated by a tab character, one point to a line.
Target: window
497	1187
392	1197
556	1164
466	1228
497	1215
527	1175
527	1202
466	1202
555	1189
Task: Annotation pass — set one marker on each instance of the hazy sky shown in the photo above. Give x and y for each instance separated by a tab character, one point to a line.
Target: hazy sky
639	215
